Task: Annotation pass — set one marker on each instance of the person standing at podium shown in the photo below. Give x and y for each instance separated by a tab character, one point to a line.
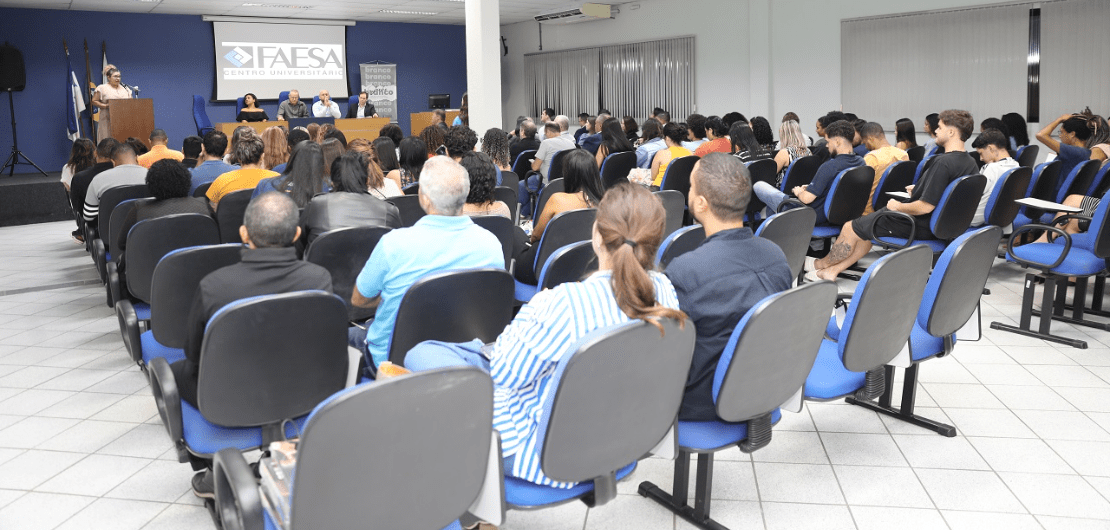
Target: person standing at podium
113	89
325	107
364	109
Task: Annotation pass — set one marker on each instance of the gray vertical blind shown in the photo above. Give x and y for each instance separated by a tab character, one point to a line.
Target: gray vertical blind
1075	35
912	65
627	79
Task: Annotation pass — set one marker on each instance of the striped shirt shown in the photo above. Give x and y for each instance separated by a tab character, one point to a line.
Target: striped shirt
525	357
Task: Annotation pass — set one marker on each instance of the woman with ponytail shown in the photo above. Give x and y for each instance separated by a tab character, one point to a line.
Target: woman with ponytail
522	361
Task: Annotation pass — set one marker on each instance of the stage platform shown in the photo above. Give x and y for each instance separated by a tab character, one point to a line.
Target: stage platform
30	198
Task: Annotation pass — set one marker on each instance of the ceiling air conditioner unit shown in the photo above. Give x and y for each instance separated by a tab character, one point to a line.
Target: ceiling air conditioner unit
585	13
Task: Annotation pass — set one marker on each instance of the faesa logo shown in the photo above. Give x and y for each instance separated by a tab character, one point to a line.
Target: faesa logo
264	60
238	57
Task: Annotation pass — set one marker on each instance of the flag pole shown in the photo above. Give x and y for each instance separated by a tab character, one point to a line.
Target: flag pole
88	93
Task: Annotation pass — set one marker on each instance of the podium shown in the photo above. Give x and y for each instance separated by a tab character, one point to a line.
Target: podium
419	120
131	118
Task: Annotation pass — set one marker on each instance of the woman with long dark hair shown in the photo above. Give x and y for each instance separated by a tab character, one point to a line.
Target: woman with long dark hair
386	154
745	145
483	179
414	152
763	133
349	203
1019	129
302	178
631	129
82	156
905	134
613	140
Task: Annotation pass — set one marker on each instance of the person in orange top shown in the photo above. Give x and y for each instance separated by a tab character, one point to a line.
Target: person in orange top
880	156
717	132
158	150
249	154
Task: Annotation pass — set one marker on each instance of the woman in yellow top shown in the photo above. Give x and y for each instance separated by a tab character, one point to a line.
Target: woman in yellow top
673	135
113	89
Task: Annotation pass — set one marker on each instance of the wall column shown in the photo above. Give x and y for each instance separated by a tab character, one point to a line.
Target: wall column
483	64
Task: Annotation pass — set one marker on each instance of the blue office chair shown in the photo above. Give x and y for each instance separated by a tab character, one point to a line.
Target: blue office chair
615	168
950	218
1001	208
200	116
571	263
1027	155
951	298
238	106
678	243
563	229
1079	181
800	172
846	200
674	206
1100	183
896	177
1042	186
791	231
922	166
757	372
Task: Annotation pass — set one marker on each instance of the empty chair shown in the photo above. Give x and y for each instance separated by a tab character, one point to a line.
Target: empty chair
758	372
555	171
456	306
411	480
570	263
1001	208
615	168
896	177
800	172
677	176
98	230
229	214
107	252
563	229
504	230
1100	183
200	116
510	180
343	252
553	187
678	243
761	171
916	153
1027	155
791	231
950	218
674	204
951	298
506	195
254	379
409	208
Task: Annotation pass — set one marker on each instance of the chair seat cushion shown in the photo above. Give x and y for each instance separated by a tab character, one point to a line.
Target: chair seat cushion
1021	220
923	345
521	493
142	310
152	349
826	231
935	244
204	438
710	435
829	379
524	292
1079	261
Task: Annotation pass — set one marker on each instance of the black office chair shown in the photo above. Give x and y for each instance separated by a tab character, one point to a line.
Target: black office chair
800	172
765	170
916	153
523	164
847	198
563	229
1027	155
412	189
1042	186
504	229
1001	208
897	177
510	180
570	263
343	252
674	204
454	306
678	243
98	230
229	214
615	168
202	190
677	176
553	187
791	231
107	252
555	170
409	208
508	196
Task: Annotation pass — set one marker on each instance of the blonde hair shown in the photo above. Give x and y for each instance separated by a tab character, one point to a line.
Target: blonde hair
277	147
790	134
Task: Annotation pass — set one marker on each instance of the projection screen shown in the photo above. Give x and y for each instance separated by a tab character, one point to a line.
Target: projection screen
266	59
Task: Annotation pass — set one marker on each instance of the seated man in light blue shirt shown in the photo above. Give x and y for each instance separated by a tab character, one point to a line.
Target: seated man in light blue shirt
443	240
211	163
652	135
325	107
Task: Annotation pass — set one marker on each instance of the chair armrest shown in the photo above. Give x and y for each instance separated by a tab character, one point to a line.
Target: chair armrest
115	290
1044	266
99	257
129	329
168	401
909	240
792	202
1068	217
237	498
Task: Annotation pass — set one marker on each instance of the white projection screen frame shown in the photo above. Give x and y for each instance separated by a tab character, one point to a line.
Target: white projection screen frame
266	59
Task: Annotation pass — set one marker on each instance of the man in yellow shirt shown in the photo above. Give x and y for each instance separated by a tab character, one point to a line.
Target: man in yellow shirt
249	154
880	156
158	150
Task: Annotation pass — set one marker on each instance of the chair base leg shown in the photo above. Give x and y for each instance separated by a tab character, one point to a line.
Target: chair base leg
697	515
905	411
1074	343
1056	310
1077	321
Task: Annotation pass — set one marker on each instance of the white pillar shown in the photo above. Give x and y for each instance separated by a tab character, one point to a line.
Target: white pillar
483	64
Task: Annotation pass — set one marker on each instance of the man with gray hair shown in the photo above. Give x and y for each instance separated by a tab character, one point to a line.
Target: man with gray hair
555	140
443	240
292	107
269	265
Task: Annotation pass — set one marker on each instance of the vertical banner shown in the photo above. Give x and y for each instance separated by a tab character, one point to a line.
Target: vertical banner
379	81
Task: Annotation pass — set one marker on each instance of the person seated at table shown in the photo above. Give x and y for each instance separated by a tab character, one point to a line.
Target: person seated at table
251	111
292	107
364	109
325	107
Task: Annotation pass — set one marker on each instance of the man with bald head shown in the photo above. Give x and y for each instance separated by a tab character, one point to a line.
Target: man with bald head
325	108
443	240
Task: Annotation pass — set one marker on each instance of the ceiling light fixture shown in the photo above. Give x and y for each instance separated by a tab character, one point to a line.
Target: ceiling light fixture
396	12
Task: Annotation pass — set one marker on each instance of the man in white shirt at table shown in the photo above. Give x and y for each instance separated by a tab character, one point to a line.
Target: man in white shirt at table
325	107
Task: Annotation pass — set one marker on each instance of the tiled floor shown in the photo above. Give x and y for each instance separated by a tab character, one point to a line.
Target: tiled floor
81	445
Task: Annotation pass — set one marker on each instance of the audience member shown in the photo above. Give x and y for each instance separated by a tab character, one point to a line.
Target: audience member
763	133
495	144
822	123
251	112
276	151
483	179
190	148
349	203
238	134
905	134
364	109
459	141
746	146
443	240
931	144
332	133
393	132
556	139
125	171
584	126
613	141
792	147
651	142
1019	130
880	155
717	132
662	116
168	183
414	154
325	107
858	146
137	145
463	118
211	163
1099	142
439	119
527	141
592	141
82	156
292	107
79	185
332	149
158	150
695	125
313	130
790	116
386	155
1071	149
377	184
745	270
731	118
954	127
631	129
249	154
993	146
547	115
302	179
433	138
673	136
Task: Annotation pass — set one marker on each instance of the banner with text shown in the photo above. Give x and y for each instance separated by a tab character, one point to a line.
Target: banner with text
379	81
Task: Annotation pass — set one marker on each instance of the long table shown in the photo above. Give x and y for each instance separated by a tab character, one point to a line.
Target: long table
352	127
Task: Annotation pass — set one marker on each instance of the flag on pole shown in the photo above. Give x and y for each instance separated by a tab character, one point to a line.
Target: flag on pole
104	59
87	96
75	101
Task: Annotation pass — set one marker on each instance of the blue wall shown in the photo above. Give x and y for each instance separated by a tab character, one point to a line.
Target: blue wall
170	58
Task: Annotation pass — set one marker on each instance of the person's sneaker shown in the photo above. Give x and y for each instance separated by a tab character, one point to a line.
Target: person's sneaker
810	260
203	485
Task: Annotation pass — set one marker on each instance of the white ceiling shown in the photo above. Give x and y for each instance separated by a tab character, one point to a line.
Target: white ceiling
446	11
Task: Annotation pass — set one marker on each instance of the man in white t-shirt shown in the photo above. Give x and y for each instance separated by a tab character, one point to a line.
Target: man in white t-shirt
557	138
992	147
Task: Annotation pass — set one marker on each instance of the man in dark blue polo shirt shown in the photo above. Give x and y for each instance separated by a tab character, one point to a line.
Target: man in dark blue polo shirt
718	282
839	135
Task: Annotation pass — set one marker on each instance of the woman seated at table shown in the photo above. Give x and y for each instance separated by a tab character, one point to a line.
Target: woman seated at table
250	111
627	233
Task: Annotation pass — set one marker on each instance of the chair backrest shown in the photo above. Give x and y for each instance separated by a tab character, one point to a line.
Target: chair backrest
523	163
150	240
502	228
1042	186
923	166
413	479
570	263
508	196
174	285
200	115
1100	183
1027	155
412	189
916	153
353	102
509	180
408	206
1079	180
230	212
566	228
764	170
553	187
678	243
758	370
115	226
555	171
617	395
883	308
343	252
674	205
112	197
239	105
1100	226
282	96
256	375
1001	210
315	99
455	306
678	173
956	208
615	168
957	281
791	231
202	190
800	172
848	194
896	177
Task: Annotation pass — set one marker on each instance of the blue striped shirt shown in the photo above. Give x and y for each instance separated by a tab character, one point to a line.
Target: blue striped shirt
527	353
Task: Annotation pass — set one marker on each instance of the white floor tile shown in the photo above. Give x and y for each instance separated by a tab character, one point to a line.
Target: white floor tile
1087	399
76	379
33	431
989	521
137	409
33	401
570	516
181	517
1018	454
631	512
948	395
1063	425
880	518
968	490
989	422
1087	458
862	449
804	483
1057	495
31	468
159	481
781	516
144	441
731	514
42	511
95	475
1030	397
87	436
113	514
881	486
80	406
1061	376
829	417
1070	523
795	447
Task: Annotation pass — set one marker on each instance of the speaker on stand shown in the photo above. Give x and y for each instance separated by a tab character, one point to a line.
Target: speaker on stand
13	77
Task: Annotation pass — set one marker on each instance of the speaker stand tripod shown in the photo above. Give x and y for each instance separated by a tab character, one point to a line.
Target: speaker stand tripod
13	159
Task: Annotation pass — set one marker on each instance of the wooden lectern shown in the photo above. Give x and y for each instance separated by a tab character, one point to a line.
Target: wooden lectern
131	118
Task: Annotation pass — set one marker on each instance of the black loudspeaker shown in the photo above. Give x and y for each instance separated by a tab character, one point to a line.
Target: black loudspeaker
13	75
